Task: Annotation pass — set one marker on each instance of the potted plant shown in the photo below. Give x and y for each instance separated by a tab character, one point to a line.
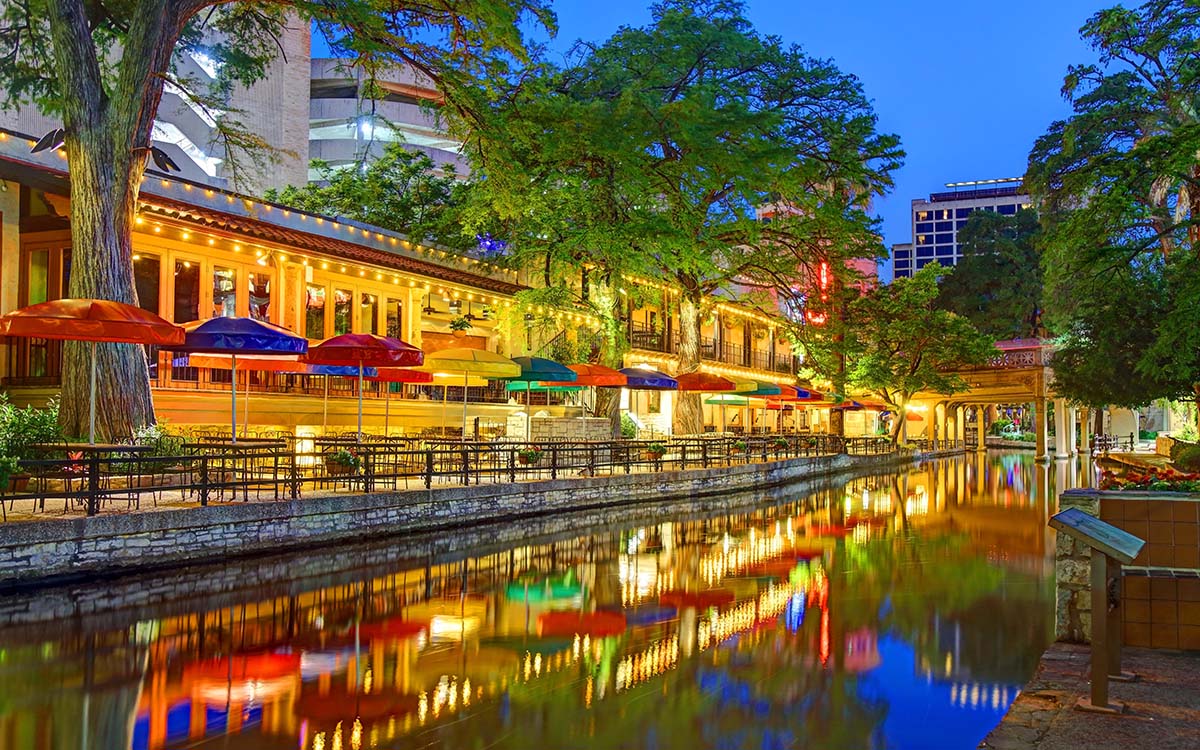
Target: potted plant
10	471
739	446
459	326
529	456
654	451
342	461
779	444
20	430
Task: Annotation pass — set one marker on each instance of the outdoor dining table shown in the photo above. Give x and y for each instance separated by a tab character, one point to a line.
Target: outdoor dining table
239	458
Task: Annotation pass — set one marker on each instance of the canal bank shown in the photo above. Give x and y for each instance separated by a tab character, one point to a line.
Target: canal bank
46	551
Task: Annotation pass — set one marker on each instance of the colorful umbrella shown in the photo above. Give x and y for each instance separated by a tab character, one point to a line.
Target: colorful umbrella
240	336
93	320
537	369
597	376
470	362
647	379
707	383
364	350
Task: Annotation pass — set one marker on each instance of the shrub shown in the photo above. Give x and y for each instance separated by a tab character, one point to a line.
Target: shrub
628	426
530	455
657	449
1147	434
22	428
1001	425
161	442
1177	447
1187	458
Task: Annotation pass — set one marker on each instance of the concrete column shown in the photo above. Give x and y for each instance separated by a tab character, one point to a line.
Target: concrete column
960	422
943	423
1040	429
1061	449
980	428
1085	426
1072	432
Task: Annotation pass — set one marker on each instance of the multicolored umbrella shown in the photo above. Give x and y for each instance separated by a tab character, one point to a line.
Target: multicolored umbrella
470	362
537	369
92	320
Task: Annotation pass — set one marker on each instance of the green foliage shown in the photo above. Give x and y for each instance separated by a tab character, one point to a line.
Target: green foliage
1187	433
997	284
460	324
398	191
22	428
628	426
655	449
161	441
1118	184
1002	424
1147	434
344	457
1187	459
897	342
530	455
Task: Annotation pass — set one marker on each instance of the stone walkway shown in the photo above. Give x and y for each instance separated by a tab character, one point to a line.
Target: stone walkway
1163	708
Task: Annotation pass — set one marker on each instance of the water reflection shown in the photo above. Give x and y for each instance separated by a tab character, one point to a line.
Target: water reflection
896	611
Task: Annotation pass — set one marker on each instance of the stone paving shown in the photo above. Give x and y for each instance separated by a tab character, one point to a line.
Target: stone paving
1163	707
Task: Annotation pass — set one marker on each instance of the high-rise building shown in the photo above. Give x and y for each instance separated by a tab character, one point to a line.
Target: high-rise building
937	221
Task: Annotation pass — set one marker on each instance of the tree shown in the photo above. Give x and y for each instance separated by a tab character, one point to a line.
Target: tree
997	284
897	343
398	191
659	147
1118	186
101	66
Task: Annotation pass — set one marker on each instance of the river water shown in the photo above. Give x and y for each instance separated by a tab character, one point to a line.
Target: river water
899	611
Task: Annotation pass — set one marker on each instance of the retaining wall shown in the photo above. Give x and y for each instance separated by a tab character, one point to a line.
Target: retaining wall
42	551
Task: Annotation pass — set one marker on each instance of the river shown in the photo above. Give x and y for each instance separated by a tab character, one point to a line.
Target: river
899	611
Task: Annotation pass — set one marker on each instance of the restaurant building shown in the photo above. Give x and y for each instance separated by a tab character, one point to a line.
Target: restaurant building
200	252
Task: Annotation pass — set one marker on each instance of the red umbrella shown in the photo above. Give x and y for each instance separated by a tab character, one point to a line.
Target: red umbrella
364	350
397	375
91	320
704	382
594	375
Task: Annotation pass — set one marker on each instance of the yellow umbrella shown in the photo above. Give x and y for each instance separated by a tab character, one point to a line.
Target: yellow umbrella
471	362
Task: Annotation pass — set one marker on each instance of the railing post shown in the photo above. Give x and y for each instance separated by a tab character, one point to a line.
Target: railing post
591	459
428	468
683	455
704	453
466	465
203	479
512	464
554	461
93	498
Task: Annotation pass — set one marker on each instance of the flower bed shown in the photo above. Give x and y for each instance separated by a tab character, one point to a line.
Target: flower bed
1150	478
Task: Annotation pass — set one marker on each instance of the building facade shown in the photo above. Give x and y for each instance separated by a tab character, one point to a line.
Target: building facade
937	220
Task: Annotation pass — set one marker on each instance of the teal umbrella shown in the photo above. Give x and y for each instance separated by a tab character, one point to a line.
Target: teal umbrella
536	369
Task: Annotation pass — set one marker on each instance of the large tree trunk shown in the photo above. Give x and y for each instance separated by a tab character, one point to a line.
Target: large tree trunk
108	133
613	346
689	412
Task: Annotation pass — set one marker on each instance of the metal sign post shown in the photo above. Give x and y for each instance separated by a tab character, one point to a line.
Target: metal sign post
1111	547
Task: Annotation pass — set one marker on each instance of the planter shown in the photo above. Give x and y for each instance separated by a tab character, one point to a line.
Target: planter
529	460
458	334
338	468
17	483
652	455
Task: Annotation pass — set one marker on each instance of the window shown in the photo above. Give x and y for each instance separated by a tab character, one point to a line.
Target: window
923	216
187	291
146	280
925	227
39	276
260	295
944	226
1007	210
924	252
962	213
924	239
903	254
922	263
395	318
368	312
943	214
224	299
960	224
314	312
944	239
341	311
945	252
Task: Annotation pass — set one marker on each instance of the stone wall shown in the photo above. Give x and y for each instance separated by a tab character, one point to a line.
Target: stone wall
47	550
1072	568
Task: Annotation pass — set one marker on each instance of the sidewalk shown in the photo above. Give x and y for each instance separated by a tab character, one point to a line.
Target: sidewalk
1163	708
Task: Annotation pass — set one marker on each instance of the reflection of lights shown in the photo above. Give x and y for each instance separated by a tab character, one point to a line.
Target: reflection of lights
247	692
794	615
824	644
356	735
451	628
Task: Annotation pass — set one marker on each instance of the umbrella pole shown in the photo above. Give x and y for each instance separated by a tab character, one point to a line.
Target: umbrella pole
445	397
466	377
246	405
92	400
325	409
233	399
360	383
387	406
528	415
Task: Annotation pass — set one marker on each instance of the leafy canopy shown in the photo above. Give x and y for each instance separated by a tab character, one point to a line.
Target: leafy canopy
997	284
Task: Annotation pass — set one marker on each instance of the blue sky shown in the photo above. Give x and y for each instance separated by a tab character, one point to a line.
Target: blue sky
968	85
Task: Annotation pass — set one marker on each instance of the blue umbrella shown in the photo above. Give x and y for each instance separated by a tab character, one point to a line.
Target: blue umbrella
645	379
244	336
537	369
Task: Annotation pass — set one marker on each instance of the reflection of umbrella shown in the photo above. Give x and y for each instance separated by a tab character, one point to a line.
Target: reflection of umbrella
396	375
538	368
342	705
240	336
595	624
364	350
478	362
697	599
91	320
392	628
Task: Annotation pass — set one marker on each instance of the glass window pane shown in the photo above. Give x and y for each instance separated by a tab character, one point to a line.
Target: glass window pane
925	227
341	311
314	312
187	291
368	312
65	289
395	318
224	292
39	276
146	280
260	296
944	226
943	239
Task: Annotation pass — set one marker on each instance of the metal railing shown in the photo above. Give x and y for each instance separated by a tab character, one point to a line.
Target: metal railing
213	469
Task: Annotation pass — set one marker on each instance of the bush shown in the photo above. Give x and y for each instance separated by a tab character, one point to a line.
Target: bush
628	427
1177	448
1147	434
1002	424
1186	458
22	428
161	442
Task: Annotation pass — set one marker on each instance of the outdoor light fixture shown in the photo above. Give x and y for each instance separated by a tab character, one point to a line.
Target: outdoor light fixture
51	141
428	309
